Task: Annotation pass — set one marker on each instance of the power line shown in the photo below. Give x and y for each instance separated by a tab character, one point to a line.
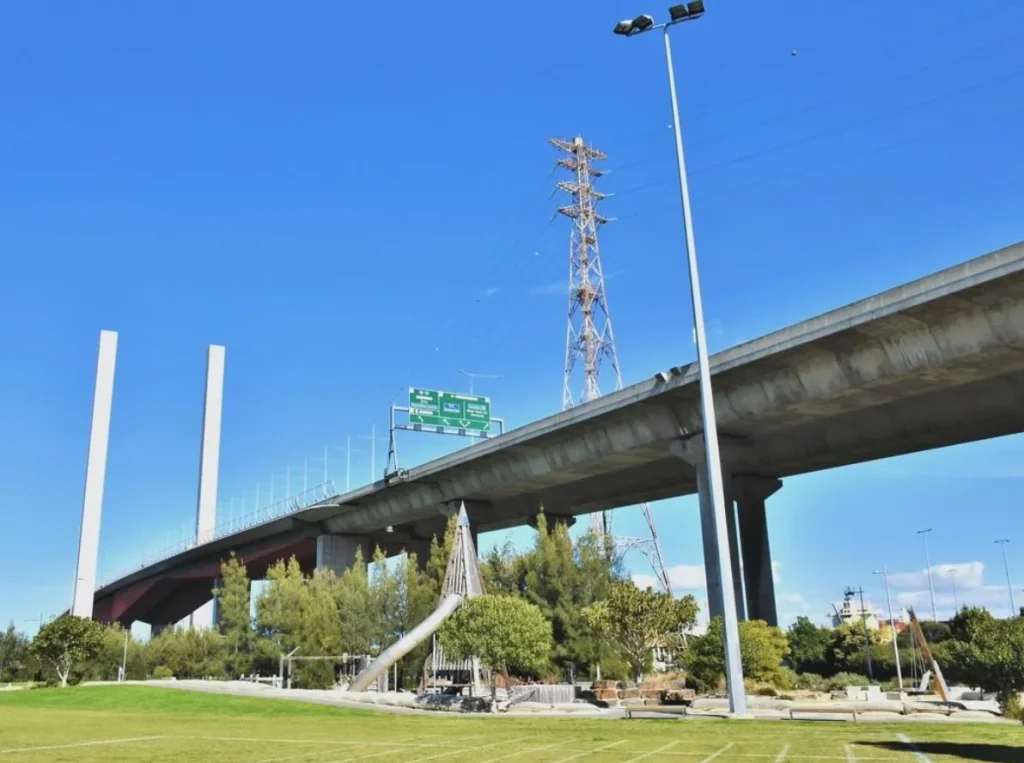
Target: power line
843	160
807	108
901	45
861	87
833	130
855	122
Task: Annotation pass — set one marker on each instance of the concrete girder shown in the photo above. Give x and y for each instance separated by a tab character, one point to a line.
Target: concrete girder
931	363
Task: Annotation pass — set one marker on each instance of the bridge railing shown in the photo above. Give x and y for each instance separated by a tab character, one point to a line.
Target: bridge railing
262	515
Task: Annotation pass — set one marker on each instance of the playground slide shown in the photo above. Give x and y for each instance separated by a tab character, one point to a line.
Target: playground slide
407	643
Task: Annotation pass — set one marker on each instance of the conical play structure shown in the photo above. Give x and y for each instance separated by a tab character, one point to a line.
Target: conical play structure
461	581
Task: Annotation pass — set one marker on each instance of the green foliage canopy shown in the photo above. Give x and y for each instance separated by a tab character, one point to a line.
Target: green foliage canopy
67	641
762	649
636	620
504	632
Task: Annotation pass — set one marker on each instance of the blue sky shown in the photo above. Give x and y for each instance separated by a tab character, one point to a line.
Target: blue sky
354	207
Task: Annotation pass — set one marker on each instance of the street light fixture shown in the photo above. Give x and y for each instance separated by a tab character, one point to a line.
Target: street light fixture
713	490
892	624
1006	567
686	10
928	570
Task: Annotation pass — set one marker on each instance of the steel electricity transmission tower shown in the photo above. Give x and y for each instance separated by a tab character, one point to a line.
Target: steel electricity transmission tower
589	339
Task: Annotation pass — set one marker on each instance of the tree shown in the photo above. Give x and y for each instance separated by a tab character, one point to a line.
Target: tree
762	649
845	650
440	550
105	665
502	570
67	641
994	657
295	611
807	644
636	621
354	606
235	621
563	578
188	653
387	602
14	651
504	632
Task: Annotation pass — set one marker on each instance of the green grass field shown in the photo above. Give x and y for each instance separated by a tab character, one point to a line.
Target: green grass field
140	723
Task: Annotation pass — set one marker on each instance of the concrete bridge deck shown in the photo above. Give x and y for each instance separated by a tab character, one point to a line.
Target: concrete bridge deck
936	362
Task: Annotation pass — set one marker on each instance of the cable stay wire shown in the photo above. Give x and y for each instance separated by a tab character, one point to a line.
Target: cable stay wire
901	45
834	129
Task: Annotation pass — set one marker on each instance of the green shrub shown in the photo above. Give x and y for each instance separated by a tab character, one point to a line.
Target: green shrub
162	672
1012	706
840	681
810	682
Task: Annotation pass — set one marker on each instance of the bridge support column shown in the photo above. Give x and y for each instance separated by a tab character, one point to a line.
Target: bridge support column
710	544
749	550
758	576
157	628
338	552
422	550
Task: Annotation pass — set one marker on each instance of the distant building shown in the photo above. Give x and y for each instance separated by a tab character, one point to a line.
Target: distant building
850	613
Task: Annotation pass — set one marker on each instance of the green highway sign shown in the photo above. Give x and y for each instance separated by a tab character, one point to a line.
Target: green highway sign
433	407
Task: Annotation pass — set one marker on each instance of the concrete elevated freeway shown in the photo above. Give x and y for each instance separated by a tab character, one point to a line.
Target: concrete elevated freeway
935	362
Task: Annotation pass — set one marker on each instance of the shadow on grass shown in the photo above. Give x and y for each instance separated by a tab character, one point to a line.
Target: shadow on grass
980	751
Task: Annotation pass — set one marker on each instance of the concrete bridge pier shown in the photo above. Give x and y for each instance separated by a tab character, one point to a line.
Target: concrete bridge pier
749	549
758	577
421	548
338	552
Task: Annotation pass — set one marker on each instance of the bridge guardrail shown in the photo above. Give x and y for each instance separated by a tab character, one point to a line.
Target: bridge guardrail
262	515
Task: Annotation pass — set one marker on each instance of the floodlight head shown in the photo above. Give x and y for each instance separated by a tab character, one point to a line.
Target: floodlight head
624	27
695	7
678	12
642	23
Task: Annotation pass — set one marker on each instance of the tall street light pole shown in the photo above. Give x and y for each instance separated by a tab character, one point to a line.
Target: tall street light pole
715	489
928	569
1002	544
892	624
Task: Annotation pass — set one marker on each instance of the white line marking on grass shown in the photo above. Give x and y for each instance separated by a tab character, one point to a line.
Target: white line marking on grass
850	757
340	746
921	757
96	743
526	750
643	755
296	756
782	753
458	751
591	752
714	755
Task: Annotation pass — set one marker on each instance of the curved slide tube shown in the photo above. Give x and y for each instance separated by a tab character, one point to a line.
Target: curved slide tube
407	643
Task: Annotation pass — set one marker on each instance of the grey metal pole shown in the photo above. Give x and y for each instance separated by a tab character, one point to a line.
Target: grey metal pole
348	464
733	665
928	569
373	453
956	599
1009	587
892	625
867	637
124	658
